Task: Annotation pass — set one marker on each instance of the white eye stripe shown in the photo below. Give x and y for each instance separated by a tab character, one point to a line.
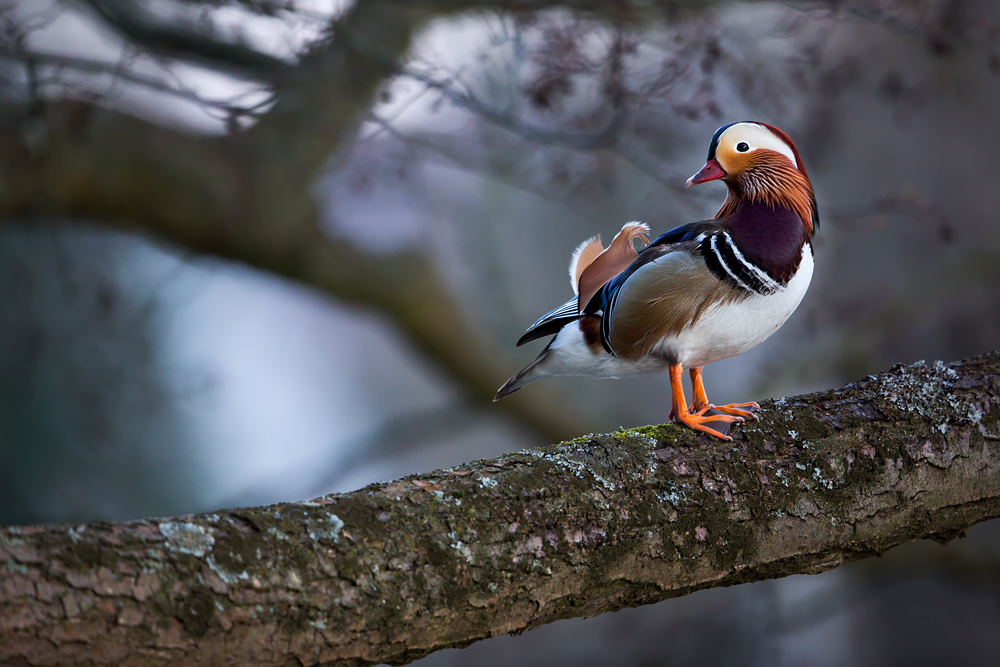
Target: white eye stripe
756	136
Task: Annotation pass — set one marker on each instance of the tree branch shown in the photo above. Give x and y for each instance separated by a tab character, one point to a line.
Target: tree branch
603	138
121	73
187	40
394	571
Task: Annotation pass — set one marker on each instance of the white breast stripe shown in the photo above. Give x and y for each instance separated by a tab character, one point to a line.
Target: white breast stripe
768	282
722	263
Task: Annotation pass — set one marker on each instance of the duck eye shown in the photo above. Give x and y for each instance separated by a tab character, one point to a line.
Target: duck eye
742	147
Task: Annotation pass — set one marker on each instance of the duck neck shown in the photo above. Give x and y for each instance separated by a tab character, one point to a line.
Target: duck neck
773	182
770	236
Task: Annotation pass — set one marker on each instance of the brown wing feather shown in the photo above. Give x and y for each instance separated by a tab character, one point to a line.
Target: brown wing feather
615	259
662	298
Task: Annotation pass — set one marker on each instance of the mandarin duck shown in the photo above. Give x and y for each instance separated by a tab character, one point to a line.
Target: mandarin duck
701	292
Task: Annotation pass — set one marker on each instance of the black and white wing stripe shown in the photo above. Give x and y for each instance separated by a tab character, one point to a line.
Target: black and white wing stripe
551	323
728	264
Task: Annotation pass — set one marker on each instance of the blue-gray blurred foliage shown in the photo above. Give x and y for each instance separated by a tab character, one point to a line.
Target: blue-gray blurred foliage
88	427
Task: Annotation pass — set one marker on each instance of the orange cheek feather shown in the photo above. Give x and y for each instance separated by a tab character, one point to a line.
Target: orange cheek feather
768	176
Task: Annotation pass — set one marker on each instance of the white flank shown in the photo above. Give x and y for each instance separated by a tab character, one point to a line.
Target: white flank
570	355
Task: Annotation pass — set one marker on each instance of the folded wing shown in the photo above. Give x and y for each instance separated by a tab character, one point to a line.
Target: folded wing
667	288
640	297
659	300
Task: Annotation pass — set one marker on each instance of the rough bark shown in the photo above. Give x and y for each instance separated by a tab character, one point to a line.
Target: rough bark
394	571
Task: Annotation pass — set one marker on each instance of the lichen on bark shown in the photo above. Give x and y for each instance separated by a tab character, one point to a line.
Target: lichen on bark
394	571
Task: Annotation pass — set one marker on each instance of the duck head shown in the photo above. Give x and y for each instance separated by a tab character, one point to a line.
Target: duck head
760	164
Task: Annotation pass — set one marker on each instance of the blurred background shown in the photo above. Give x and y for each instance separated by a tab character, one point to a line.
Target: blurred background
263	250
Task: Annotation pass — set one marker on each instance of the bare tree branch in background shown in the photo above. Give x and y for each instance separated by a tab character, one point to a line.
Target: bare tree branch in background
247	197
395	571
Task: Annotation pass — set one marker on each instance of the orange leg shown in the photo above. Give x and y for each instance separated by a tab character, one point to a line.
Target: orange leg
696	420
698	389
701	400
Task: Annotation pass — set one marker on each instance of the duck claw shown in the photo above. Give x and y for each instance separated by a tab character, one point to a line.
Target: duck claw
734	409
699	422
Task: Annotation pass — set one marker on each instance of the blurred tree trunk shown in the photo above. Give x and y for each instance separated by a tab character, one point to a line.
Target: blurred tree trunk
247	196
394	571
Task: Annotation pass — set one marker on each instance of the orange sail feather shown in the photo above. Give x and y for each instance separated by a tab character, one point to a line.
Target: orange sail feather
610	262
